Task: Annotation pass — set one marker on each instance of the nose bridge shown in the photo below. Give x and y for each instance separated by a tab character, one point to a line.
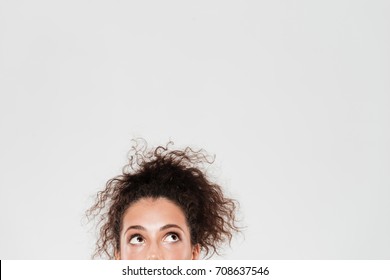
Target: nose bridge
154	251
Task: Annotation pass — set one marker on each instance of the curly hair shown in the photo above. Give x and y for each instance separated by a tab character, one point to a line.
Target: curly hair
177	175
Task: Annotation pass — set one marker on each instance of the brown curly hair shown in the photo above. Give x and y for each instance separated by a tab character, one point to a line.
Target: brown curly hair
177	175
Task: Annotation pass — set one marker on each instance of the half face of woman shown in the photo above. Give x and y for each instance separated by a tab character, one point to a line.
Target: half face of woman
155	229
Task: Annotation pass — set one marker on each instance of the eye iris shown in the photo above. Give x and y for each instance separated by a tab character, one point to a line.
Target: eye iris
174	237
139	239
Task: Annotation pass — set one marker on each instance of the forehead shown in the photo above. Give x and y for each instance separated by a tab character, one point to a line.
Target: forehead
153	213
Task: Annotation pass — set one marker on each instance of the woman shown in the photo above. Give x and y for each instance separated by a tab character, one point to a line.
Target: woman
162	206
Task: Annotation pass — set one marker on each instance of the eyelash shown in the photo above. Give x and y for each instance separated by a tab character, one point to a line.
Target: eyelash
135	235
173	233
169	233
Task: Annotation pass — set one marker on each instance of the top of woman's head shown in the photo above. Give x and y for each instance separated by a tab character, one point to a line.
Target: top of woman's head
177	175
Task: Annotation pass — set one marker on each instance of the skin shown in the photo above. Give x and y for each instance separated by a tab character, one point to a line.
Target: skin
156	229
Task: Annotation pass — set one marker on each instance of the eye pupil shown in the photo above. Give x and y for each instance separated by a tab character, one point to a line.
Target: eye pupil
139	239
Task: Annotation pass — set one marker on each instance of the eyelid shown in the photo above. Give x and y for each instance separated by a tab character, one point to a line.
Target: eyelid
172	233
135	235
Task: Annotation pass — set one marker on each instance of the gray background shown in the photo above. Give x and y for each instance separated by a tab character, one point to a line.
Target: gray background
293	97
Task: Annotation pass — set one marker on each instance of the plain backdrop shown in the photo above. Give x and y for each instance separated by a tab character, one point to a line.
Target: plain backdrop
292	97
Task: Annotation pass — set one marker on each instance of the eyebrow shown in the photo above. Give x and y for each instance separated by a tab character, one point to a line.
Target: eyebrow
170	226
139	227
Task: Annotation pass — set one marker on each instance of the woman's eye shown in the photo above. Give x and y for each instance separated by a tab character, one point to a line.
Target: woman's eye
136	240
171	237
